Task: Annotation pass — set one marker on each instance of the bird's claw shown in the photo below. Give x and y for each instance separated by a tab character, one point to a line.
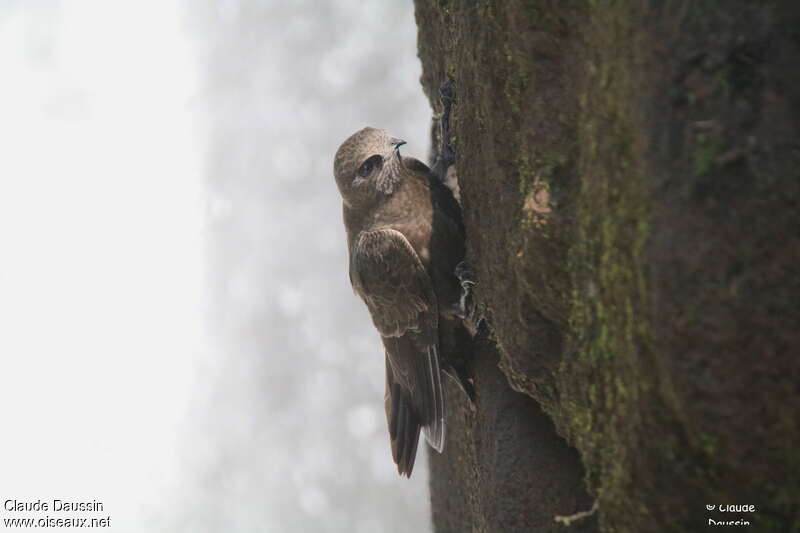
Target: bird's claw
447	154
467	309
465	274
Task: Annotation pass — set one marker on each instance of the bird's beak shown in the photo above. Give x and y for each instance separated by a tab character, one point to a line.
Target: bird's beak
396	143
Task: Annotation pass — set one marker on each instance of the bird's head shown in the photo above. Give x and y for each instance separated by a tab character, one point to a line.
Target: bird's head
367	166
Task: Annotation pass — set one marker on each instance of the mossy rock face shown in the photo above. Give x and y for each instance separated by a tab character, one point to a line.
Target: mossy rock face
629	178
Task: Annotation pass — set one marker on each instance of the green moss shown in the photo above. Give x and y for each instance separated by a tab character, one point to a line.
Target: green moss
706	152
608	327
517	65
605	385
709	444
518	77
526	175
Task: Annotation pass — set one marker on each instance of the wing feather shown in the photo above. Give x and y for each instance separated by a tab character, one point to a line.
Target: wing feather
389	276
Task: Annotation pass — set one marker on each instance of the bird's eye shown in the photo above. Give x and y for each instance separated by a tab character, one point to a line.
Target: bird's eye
365	169
367	166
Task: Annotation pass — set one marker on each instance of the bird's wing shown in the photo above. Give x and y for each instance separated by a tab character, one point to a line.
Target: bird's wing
445	201
389	276
415	165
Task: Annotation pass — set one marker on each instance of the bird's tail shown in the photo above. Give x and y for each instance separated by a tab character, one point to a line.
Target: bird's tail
403	428
414	400
434	427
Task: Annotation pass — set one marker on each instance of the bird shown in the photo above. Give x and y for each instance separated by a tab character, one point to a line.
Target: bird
405	239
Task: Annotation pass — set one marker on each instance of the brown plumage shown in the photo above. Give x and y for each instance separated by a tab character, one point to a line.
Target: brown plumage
405	238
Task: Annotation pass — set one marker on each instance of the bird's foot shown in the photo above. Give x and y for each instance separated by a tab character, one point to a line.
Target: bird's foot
447	154
467	309
465	274
446	97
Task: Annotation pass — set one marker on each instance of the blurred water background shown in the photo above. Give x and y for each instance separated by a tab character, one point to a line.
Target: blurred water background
178	337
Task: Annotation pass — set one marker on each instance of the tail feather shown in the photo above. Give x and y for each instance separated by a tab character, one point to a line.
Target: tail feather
414	399
434	427
404	431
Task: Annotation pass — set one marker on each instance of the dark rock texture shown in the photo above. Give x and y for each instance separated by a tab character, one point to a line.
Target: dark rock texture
504	467
630	179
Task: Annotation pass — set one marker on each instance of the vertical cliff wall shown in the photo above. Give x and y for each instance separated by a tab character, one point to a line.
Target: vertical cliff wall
629	174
